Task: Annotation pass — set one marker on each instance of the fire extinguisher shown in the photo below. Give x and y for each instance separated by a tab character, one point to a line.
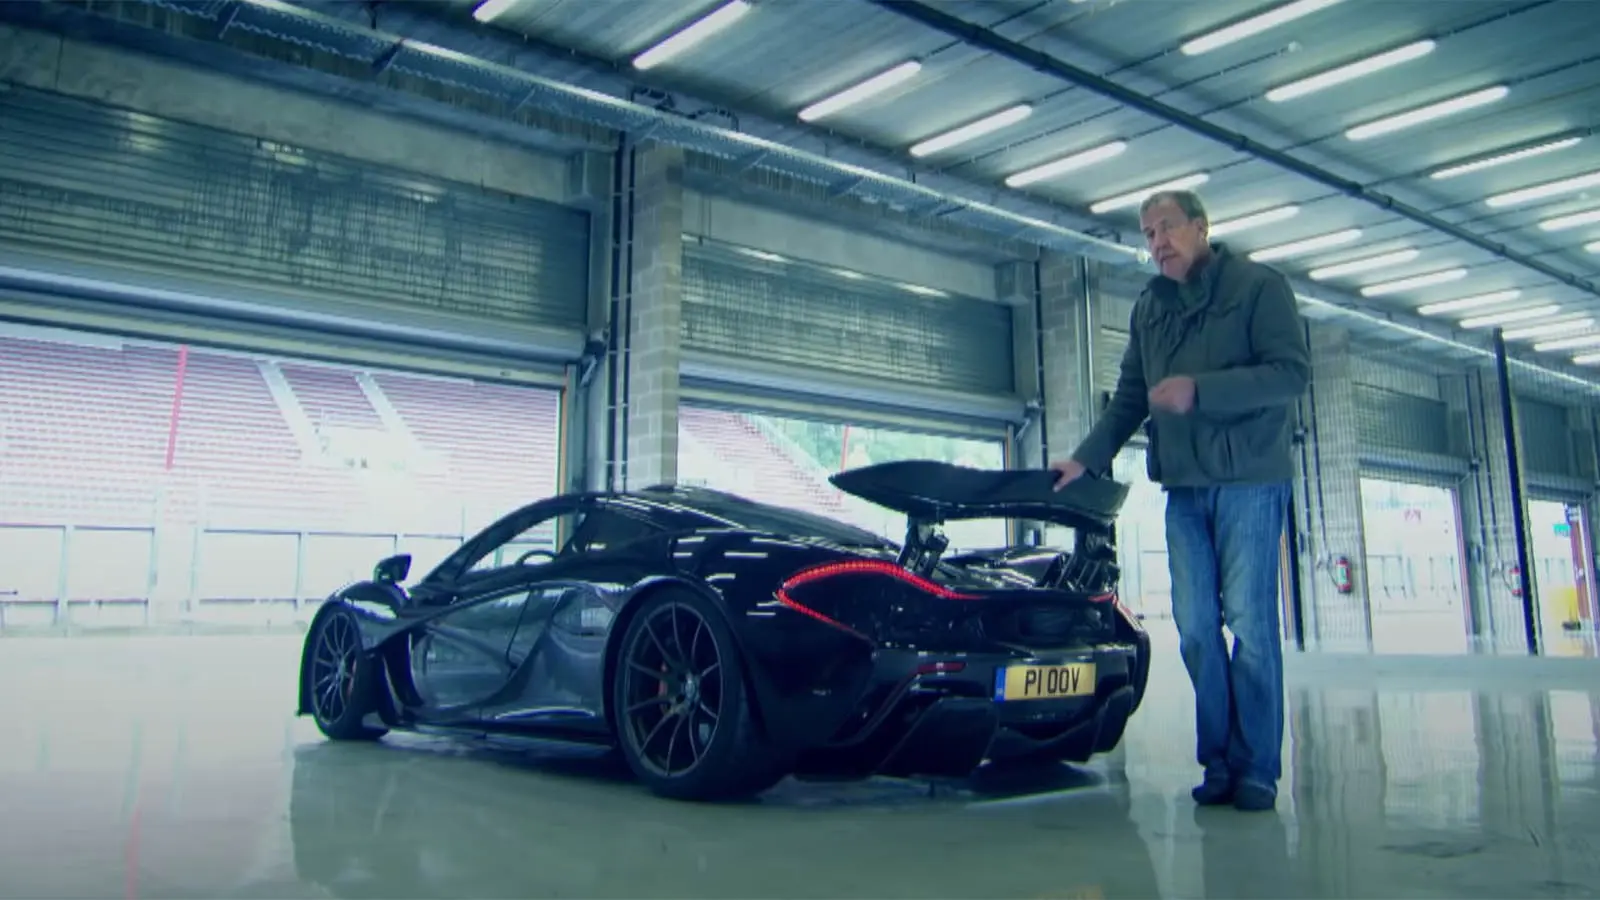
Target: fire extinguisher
1340	568
1514	579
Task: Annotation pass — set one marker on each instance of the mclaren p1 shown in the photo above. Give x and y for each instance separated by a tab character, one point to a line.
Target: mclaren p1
721	644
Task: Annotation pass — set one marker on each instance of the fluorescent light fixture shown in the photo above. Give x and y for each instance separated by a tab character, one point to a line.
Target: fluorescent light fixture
1592	247
1134	198
924	291
1586	359
686	38
971	130
1443	276
1501	159
1533	331
847	273
1245	28
1458	104
1562	223
872	87
1254	220
1569	343
1462	304
1067	164
1365	264
422	47
1548	189
1510	315
489	10
1307	245
1351	71
760	254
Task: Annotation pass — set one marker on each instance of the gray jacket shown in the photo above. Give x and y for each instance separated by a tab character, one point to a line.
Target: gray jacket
1239	334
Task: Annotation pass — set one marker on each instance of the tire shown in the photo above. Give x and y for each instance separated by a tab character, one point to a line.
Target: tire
688	738
339	679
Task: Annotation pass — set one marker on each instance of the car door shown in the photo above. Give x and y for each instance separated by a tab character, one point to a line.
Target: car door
551	684
458	659
561	639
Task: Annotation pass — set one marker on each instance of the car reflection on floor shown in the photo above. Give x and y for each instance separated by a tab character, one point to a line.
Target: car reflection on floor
431	819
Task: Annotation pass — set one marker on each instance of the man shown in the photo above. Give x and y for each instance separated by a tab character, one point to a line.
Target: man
1216	358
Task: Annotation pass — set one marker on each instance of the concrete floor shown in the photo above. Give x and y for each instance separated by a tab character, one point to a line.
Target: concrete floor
146	767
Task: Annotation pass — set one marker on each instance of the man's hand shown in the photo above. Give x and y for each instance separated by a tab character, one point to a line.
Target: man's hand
1174	394
1067	471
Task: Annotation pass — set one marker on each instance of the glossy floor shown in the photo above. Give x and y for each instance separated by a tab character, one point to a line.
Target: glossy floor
169	767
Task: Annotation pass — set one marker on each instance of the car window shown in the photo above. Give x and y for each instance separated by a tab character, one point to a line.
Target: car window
542	536
604	527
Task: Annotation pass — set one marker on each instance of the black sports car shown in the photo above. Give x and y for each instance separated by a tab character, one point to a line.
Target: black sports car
722	644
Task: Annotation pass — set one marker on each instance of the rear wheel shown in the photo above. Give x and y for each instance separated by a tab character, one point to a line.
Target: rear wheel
340	679
683	716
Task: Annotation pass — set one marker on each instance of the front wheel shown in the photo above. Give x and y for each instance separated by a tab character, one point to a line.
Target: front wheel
339	678
684	718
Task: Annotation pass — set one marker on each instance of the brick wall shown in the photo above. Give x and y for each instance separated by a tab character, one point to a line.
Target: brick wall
652	401
1332	508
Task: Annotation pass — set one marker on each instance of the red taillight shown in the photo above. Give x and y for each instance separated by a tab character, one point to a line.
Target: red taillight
786	600
935	668
873	567
857	567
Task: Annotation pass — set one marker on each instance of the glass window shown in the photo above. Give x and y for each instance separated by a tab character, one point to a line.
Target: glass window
542	537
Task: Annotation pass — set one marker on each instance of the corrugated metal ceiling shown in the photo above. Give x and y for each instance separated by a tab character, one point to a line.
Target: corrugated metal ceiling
784	54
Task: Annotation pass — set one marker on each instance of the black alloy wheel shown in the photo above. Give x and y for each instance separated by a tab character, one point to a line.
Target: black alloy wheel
675	687
681	706
337	679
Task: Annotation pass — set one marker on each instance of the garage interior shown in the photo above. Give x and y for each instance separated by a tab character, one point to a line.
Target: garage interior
287	286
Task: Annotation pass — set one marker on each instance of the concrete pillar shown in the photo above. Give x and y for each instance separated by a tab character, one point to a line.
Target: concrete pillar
656	315
1330	495
1064	320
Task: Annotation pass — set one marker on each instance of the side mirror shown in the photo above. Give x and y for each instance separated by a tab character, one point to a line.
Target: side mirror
392	570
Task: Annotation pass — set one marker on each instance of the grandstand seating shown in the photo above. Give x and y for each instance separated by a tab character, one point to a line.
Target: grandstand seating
236	453
331	397
84	430
499	443
82	434
745	461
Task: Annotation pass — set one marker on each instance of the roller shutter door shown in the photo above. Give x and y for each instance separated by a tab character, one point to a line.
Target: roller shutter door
1110	344
817	321
1548	445
1408	437
134	197
1115	290
1391	420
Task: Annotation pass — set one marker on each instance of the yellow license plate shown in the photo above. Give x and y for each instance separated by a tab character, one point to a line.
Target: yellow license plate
1045	682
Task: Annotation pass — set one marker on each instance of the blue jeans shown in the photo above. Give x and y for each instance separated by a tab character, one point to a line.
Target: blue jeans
1223	553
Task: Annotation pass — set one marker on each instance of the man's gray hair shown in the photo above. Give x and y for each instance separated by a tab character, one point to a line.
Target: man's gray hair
1188	201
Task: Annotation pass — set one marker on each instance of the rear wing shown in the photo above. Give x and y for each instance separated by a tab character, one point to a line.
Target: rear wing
932	492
